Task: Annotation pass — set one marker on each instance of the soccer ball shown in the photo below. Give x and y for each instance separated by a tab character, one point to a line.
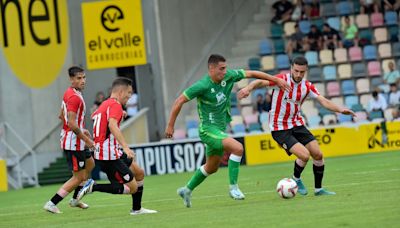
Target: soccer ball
286	188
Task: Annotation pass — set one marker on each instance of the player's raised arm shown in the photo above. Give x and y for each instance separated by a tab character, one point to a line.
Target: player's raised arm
333	107
245	91
282	84
176	108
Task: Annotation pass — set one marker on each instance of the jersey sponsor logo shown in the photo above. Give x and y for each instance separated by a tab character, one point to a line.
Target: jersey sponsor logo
221	98
34	33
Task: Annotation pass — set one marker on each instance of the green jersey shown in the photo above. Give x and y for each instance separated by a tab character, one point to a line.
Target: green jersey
213	100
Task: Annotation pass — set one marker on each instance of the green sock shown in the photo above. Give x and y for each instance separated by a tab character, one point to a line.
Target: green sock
196	179
233	167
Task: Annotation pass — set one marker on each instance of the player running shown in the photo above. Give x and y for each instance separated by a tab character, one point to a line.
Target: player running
213	93
287	124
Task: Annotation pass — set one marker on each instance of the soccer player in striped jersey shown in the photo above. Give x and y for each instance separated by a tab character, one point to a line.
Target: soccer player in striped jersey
125	175
75	140
287	124
213	93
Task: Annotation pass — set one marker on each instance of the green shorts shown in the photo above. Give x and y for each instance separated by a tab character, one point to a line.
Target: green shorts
212	137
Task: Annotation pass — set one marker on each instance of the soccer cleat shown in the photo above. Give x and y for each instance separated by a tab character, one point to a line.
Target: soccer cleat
143	211
77	203
302	189
235	192
87	188
186	195
324	192
50	207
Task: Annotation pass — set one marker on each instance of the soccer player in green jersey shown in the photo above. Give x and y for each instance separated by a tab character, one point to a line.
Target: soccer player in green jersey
213	105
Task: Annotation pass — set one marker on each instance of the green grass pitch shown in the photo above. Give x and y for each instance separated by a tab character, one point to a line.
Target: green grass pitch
367	187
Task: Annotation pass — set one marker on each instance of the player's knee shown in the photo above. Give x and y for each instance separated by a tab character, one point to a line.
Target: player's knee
139	174
132	187
239	150
304	157
318	156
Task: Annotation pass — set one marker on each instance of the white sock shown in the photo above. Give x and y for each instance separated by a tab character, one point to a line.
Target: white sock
318	189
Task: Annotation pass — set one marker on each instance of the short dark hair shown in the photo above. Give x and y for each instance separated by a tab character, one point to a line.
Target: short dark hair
375	93
215	59
300	60
121	81
72	71
327	25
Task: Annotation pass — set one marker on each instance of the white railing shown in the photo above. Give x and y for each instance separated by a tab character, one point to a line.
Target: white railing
17	175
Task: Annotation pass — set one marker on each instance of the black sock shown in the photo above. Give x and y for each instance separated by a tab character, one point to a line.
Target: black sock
297	170
56	199
137	199
318	175
77	189
109	188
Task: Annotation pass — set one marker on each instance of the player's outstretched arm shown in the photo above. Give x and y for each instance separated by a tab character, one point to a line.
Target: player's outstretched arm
245	91
176	108
333	107
71	122
114	129
282	84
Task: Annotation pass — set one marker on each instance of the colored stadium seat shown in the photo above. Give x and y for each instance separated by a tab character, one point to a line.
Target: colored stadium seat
314	121
359	70
239	129
333	89
319	22
376	19
334	22
192	124
254	63
391	18
329	72
314	74
312	58
362	85
393	33
326	56
329	119
234	100
235	111
288	27
193	133
267	63
328	9
355	53
376	82
381	35
243	83
344	8
348	87
340	55
320	87
365	36
349	101
305	26
370	52
364	99
344	71
344	118
251	118
385	50
279	46
338	100
255	128
248	109
361	117
388	114
396	49
264	117
282	61
374	68
375	115
276	30
256	92
265	47
362	21
236	120
179	134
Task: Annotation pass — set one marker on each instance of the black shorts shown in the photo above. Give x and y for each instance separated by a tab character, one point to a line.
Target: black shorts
117	170
77	159
287	138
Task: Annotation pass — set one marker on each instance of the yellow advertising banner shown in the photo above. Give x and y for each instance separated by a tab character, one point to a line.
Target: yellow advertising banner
113	33
337	141
3	176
